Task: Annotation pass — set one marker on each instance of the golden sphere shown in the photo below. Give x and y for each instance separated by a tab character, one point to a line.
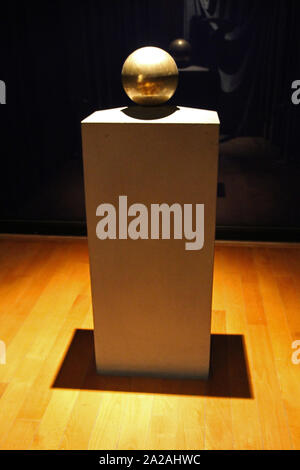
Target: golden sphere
181	51
149	76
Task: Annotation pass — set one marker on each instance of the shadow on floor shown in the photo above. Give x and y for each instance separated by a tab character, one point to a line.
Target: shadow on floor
229	373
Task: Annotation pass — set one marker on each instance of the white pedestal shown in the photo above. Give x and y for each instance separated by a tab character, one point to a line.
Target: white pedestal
151	296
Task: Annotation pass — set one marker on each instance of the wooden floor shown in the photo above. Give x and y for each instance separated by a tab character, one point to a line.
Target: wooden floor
51	398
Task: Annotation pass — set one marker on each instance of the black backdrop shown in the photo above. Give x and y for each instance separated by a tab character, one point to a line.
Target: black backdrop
61	60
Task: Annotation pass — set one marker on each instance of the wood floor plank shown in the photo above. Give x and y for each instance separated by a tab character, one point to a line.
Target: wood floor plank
293	259
217	295
82	420
40	328
177	422
20	435
10	403
279	262
252	295
2	388
41	387
245	417
277	321
218	414
49	433
135	421
290	295
39	339
281	339
106	431
273	419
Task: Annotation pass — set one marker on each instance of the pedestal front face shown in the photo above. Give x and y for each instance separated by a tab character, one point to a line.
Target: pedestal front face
150	202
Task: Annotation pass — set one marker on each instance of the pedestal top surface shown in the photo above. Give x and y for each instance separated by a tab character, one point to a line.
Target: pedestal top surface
154	115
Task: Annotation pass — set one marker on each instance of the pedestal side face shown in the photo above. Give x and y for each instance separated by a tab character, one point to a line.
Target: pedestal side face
151	297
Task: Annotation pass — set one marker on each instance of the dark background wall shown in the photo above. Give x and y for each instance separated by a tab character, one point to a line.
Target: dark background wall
61	60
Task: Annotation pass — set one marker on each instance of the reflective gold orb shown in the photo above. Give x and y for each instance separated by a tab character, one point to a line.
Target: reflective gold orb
149	76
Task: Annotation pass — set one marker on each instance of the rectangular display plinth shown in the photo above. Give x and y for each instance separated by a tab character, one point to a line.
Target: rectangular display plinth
151	185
